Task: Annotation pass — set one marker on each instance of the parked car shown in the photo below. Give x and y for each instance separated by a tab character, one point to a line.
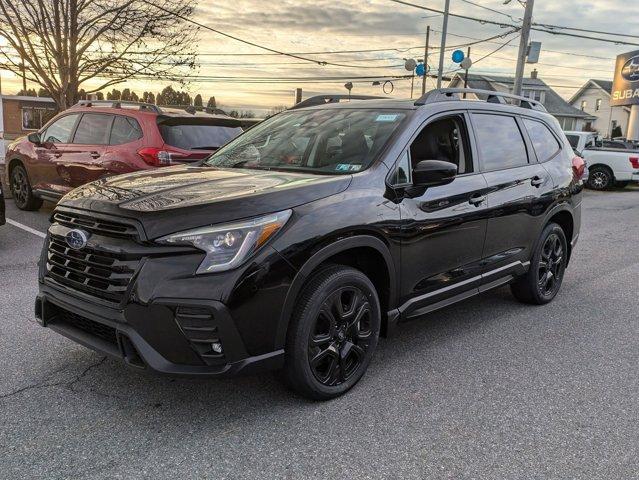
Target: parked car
301	241
607	167
98	139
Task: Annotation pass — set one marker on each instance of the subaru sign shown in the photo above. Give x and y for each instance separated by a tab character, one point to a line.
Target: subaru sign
625	87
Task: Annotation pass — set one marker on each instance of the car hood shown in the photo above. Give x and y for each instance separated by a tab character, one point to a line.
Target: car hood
176	198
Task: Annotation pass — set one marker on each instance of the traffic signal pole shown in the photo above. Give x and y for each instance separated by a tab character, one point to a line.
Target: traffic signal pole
523	46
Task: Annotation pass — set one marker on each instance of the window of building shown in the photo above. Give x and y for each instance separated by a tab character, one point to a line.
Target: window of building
93	129
444	139
584	104
500	142
544	142
598	105
534	95
34	118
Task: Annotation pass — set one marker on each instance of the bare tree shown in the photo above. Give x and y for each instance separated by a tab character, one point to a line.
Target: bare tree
64	44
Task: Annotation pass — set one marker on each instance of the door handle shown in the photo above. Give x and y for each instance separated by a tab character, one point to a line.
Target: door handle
536	181
94	154
476	200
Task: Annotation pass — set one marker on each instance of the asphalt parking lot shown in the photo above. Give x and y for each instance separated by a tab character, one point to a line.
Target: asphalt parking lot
487	389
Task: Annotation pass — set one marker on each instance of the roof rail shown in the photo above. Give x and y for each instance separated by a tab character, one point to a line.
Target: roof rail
119	104
446	94
325	99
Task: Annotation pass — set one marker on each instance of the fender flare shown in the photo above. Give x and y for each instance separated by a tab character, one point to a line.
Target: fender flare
320	256
558	208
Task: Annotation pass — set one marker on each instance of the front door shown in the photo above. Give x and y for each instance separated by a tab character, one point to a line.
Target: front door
443	227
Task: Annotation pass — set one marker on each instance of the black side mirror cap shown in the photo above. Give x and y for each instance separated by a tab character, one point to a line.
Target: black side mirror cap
34	138
431	173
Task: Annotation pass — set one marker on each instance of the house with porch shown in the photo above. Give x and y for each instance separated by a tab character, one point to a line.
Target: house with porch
593	98
569	117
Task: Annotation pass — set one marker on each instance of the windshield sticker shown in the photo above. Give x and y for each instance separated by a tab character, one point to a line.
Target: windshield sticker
348	167
386	118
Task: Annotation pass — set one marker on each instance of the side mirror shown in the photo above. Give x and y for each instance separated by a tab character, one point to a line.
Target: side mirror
430	173
34	138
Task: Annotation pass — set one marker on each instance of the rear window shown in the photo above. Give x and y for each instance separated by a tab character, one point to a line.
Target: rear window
124	130
93	129
500	142
544	142
198	137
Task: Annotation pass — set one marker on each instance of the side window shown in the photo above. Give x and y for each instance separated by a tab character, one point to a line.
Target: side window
402	174
124	130
573	140
93	129
544	142
499	140
444	139
60	130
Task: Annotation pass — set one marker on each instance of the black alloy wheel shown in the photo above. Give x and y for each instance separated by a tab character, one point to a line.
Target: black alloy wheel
550	269
547	267
333	333
21	190
341	336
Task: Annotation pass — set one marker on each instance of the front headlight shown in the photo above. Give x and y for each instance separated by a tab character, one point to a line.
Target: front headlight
228	245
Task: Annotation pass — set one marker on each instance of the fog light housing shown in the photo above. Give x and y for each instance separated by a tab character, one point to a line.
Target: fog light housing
216	347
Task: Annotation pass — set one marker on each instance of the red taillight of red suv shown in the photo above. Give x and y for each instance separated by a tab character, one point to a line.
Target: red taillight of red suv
634	161
160	156
578	167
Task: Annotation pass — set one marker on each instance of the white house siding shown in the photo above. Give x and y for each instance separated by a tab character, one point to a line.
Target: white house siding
604	119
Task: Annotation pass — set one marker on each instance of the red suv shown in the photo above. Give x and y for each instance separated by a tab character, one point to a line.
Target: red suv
102	138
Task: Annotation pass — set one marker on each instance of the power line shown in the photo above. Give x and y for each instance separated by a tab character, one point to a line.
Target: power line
507	25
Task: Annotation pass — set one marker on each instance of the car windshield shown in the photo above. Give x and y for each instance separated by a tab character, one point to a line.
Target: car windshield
329	141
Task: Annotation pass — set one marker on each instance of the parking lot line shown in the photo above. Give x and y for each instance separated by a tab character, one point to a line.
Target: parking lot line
25	228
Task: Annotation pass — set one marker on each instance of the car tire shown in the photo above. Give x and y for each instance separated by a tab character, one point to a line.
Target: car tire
333	333
600	178
21	190
543	280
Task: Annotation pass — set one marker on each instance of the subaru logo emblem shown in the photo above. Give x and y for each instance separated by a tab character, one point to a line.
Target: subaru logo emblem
630	70
77	238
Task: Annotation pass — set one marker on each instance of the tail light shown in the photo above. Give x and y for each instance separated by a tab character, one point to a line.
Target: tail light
578	167
160	156
634	161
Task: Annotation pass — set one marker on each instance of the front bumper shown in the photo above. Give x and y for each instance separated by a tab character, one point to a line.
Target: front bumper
171	336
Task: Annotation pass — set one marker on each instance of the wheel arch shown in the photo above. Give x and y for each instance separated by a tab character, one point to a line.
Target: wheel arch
364	252
562	215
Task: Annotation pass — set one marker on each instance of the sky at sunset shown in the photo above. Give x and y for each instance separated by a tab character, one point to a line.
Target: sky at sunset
264	81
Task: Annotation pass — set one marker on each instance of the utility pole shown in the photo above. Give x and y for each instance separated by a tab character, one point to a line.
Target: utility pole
466	74
425	60
523	46
443	44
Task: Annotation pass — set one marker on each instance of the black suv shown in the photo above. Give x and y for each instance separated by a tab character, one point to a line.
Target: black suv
303	240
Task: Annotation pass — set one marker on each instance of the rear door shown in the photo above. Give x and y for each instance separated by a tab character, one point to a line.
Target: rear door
516	187
84	160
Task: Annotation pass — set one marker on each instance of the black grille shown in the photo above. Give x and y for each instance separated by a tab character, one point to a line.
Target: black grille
96	272
197	324
107	228
96	329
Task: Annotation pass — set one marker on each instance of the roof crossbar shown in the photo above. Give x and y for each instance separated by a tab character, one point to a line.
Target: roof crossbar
325	99
119	104
446	94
